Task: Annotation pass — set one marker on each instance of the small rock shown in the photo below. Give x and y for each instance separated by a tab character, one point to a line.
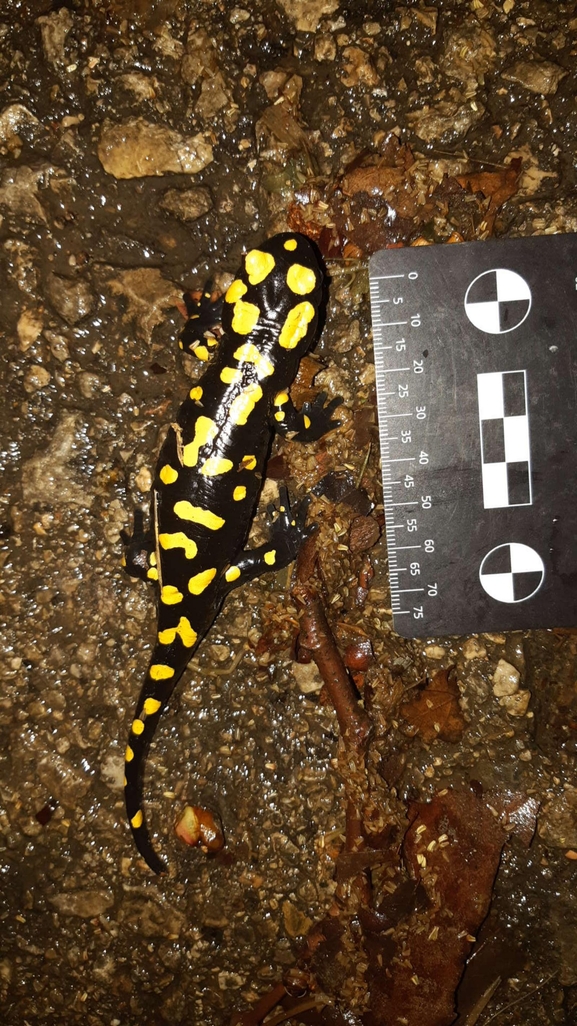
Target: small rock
48	478
505	679
447	119
434	652
474	649
538	76
29	326
72	299
89	384
307	677
517	704
306	14
558	821
135	148
19	193
87	904
187	204
55	28
35	378
14	118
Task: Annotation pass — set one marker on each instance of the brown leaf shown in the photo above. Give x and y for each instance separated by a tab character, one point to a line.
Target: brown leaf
434	712
452	849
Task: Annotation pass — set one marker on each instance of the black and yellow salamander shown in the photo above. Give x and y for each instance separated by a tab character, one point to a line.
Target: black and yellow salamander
210	471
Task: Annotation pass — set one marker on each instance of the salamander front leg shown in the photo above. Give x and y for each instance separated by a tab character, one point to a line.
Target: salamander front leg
309	423
204	315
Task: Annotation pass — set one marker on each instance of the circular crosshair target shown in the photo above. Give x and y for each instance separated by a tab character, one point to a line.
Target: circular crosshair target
512	572
497	301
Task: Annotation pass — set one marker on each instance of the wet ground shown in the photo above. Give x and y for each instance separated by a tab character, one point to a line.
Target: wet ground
143	145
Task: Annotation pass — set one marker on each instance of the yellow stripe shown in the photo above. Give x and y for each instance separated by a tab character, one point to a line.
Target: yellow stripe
187	634
230	376
248	353
258	265
300	279
296	325
161	672
179	540
170	596
168	475
186	511
235	291
242	407
200	582
215	465
205	430
245	317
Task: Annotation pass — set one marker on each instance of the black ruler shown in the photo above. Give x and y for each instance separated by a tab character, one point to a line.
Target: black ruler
476	363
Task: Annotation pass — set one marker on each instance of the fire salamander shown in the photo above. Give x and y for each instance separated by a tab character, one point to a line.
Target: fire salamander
210	470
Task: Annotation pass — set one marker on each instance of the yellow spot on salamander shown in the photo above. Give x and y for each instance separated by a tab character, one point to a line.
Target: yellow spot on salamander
215	465
186	633
291	245
245	317
129	754
170	596
248	462
168	475
281	398
300	279
152	558
279	416
239	493
235	291
248	353
200	582
186	511
152	574
306	421
242	406
230	375
232	574
258	265
161	672
137	820
205	430
296	325
151	706
178	540
137	726
270	557
195	393
201	353
123	560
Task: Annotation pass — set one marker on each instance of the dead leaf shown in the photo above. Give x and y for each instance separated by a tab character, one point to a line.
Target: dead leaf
434	712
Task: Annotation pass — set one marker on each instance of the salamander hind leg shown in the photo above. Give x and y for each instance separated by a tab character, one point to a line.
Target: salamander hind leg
139	559
288	531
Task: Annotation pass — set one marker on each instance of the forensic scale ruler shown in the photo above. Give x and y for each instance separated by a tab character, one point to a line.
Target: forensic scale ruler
476	366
